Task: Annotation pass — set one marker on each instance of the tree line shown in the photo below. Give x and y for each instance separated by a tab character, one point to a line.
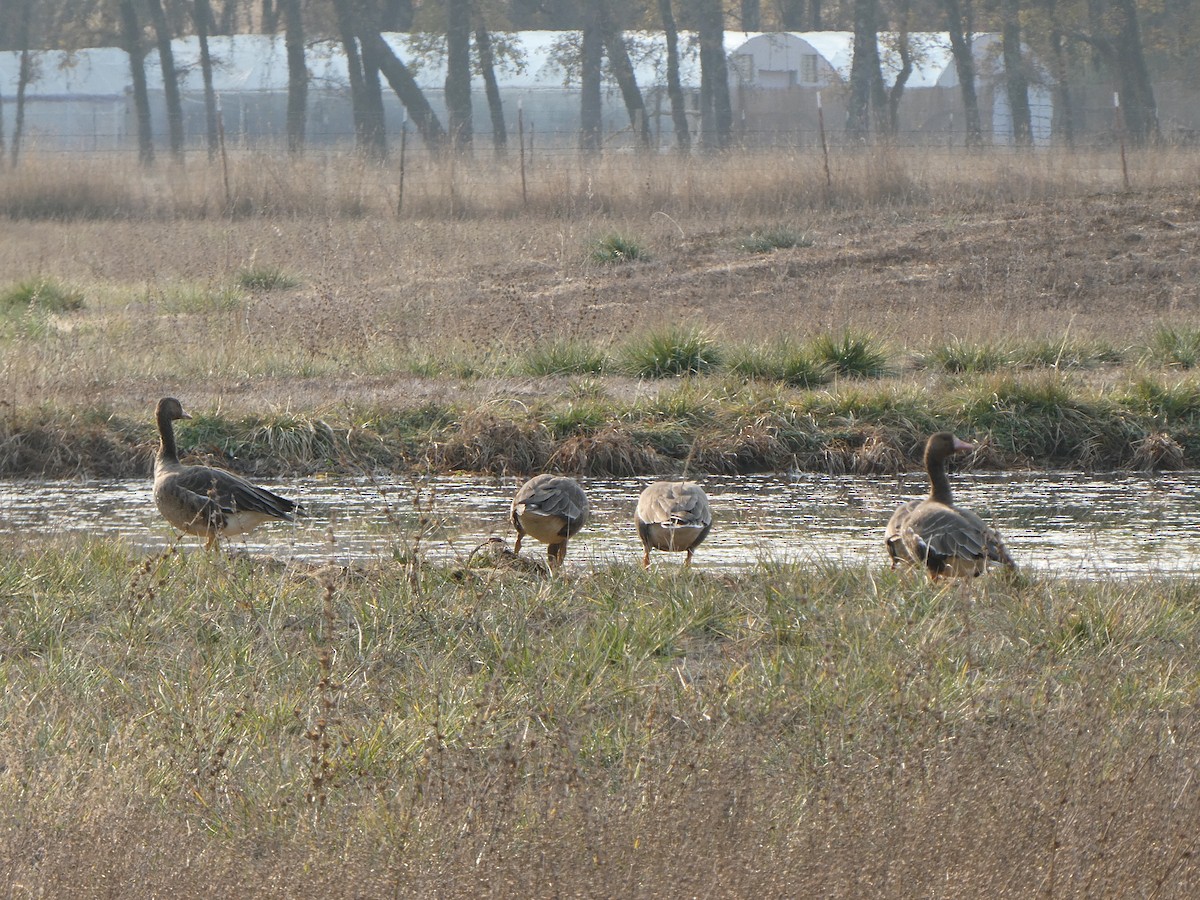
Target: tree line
1125	41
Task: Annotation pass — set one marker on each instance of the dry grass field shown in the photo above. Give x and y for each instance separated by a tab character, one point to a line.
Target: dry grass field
280	288
191	725
915	248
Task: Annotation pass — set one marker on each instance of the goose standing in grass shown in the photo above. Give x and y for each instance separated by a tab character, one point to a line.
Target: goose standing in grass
673	515
551	509
934	532
205	501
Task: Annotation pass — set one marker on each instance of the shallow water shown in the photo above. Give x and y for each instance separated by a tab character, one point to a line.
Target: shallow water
1066	523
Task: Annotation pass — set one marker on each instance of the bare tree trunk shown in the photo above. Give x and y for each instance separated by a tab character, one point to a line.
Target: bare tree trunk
458	74
297	105
202	16
1015	82
589	81
683	137
958	21
374	123
1117	35
791	15
170	76
131	37
228	19
714	74
354	69
751	15
1063	122
483	46
407	90
622	69
24	74
270	16
866	79
397	15
904	47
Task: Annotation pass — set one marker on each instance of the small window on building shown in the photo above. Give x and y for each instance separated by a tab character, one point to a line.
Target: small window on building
776	78
808	68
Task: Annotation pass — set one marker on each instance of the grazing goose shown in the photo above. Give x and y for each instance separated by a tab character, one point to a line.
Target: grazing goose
204	501
935	532
552	509
673	515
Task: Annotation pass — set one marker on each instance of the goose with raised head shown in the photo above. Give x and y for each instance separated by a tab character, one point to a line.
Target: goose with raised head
205	501
673	516
551	509
934	532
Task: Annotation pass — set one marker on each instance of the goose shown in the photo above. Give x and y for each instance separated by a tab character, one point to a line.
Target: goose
934	532
673	515
205	501
551	509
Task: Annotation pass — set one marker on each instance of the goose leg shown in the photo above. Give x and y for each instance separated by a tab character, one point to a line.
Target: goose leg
517	545
646	559
556	553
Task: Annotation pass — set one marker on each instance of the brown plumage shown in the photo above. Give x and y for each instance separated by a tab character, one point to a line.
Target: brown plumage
551	509
673	515
934	532
203	500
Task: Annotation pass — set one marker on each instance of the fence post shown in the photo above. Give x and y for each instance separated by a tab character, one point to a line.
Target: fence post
521	140
824	143
403	147
1119	120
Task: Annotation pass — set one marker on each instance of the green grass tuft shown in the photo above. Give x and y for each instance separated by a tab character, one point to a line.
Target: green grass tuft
264	278
852	354
779	237
617	248
577	418
781	360
671	352
192	300
960	357
1066	354
41	294
567	357
1176	347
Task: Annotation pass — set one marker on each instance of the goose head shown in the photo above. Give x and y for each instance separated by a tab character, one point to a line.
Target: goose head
943	445
169	409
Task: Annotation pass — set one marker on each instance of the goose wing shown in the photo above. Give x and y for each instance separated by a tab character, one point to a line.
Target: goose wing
216	492
553	495
892	533
674	503
936	531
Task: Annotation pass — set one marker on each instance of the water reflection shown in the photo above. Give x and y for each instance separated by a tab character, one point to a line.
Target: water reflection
1068	523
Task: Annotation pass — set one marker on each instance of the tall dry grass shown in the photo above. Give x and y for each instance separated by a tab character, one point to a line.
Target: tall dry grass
564	184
